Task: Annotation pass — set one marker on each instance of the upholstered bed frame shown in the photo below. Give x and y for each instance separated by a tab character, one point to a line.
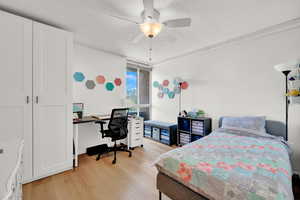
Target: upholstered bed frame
177	191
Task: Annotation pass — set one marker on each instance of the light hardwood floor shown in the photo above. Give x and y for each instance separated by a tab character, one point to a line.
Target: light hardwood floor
130	179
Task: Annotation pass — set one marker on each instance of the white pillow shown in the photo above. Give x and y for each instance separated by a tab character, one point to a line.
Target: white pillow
248	122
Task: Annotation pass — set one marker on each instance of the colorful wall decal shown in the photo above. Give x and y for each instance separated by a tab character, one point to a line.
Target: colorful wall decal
171	95
90	84
156	84
100	79
184	85
109	86
78	76
166	83
163	88
118	81
166	90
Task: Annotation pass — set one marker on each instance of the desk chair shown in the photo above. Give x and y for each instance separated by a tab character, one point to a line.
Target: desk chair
117	130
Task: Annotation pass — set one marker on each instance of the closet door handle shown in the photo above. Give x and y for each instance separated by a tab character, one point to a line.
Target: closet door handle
27	100
37	99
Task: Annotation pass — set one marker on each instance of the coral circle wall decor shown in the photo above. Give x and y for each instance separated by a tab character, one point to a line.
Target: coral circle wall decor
90	84
109	86
118	81
78	76
166	83
100	79
184	85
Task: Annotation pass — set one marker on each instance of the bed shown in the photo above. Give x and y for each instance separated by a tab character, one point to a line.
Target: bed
229	164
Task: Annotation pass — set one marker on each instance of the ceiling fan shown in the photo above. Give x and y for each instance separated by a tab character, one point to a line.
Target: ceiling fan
150	24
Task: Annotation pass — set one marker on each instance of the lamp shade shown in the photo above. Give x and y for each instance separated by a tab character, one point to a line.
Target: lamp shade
289	66
151	29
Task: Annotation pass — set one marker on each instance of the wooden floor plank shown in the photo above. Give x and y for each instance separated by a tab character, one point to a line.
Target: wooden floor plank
130	179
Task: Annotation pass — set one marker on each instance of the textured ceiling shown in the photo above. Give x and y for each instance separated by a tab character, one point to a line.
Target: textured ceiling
214	21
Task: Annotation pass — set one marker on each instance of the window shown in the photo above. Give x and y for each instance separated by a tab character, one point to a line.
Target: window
138	90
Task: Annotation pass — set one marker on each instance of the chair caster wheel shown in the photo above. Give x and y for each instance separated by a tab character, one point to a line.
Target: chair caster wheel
142	145
98	158
130	155
114	162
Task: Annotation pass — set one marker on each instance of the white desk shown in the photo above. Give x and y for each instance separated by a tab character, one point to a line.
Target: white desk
76	124
134	139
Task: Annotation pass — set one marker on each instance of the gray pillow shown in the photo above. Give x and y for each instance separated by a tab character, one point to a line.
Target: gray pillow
248	122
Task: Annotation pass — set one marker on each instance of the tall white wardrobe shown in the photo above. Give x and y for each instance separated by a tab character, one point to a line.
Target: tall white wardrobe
36	93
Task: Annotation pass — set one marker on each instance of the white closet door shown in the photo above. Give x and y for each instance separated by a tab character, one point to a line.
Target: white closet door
52	111
16	83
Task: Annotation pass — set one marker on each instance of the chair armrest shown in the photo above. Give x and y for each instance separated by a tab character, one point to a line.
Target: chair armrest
101	122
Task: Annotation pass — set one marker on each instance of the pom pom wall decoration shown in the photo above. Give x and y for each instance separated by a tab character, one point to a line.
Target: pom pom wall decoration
78	76
156	84
163	89
109	86
118	81
100	79
90	84
166	83
171	95
166	90
184	85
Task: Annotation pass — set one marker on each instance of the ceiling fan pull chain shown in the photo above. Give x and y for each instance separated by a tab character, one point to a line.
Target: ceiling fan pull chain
150	50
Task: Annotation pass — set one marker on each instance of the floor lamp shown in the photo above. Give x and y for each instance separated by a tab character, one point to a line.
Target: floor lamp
286	70
180	91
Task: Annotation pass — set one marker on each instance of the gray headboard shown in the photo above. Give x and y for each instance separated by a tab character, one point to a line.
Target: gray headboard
275	128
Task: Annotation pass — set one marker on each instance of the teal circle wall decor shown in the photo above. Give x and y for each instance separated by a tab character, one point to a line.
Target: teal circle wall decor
171	94
156	84
78	76
109	86
90	84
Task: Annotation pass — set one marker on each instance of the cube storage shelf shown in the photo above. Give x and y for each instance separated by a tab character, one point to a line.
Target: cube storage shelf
162	132
192	129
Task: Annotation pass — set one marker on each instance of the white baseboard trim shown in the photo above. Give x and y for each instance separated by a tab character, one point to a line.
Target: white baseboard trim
47	175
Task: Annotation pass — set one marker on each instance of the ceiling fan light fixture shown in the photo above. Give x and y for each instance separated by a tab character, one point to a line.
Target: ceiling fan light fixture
151	29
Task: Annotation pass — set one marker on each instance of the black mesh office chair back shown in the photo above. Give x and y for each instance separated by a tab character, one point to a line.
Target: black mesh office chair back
118	124
117	130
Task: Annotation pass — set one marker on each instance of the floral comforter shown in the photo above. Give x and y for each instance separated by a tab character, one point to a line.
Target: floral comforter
232	164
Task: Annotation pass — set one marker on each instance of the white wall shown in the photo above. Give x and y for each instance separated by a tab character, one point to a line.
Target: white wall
97	101
236	79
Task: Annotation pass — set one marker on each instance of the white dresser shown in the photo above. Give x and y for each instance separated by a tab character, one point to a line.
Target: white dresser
11	170
135	130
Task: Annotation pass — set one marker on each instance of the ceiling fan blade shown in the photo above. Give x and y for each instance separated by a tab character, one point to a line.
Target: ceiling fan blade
148	6
138	38
184	22
121	18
